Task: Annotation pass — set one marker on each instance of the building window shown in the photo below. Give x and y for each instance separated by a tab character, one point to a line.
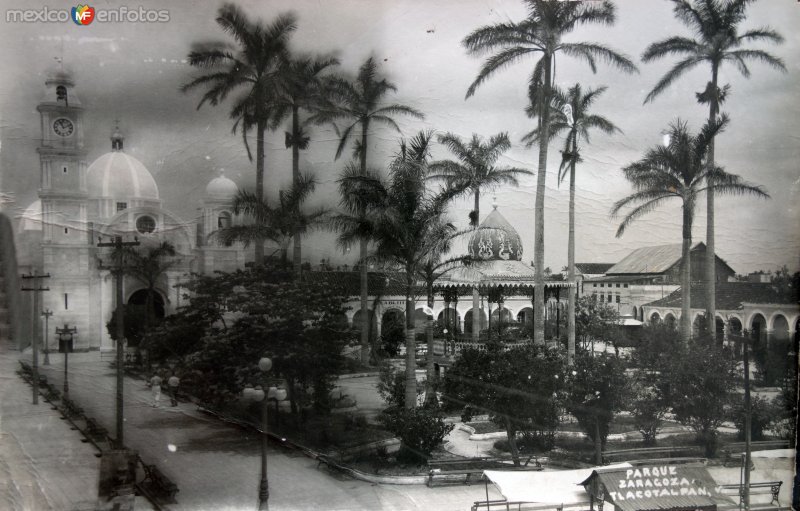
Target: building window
224	220
601	298
64	169
625	285
122	206
66	301
617	298
145	224
602	285
66	230
61	93
617	285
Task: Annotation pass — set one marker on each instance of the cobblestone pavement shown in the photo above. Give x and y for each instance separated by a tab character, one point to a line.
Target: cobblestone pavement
216	465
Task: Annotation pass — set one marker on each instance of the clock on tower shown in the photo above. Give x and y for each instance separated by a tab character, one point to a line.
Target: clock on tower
62	161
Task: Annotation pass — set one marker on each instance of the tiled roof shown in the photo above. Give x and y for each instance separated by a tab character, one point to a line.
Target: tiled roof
593	268
730	296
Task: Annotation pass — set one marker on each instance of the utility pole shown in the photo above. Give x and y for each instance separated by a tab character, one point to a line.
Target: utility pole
747	426
46	313
118	271
744	472
36	327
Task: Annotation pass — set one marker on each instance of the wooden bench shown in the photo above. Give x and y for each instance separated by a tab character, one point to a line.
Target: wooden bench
159	483
70	409
95	431
51	393
733	450
644	453
443	470
772	488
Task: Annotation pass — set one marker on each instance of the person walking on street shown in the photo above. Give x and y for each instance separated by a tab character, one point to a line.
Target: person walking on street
155	386
173	383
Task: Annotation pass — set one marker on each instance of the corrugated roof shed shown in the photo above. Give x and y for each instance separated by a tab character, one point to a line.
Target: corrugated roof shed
656	259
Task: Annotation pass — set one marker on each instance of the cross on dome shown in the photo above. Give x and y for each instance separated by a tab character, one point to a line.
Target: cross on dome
117	138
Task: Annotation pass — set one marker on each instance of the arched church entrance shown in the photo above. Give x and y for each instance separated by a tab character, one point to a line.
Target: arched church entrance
139	299
139	319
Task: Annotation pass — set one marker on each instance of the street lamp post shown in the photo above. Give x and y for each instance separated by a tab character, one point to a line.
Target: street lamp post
65	346
258	395
46	313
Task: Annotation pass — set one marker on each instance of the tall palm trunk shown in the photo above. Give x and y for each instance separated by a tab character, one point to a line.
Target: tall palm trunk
261	127
477	208
476	319
296	256
711	260
571	260
430	394
365	319
411	360
686	274
538	247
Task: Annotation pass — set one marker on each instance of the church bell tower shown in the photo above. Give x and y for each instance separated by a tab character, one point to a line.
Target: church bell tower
65	234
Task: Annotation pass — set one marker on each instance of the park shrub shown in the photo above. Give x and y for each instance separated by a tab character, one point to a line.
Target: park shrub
518	388
420	431
595	392
762	415
647	404
700	382
786	406
772	360
392	386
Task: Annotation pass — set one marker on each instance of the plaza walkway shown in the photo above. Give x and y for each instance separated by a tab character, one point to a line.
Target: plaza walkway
216	465
43	464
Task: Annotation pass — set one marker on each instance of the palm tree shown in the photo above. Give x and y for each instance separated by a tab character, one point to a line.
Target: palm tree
359	103
148	267
679	170
408	227
303	88
278	223
716	26
254	68
476	166
542	33
571	114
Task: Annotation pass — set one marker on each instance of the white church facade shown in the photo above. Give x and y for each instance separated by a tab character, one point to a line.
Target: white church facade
82	203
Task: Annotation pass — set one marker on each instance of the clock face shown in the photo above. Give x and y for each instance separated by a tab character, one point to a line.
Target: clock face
63	127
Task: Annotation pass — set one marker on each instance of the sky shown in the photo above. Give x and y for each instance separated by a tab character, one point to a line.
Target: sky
133	72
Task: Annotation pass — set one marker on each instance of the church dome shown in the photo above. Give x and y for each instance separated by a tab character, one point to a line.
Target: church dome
221	188
31	218
496	240
118	175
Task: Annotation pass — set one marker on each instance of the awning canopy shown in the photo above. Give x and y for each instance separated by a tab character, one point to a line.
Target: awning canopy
646	488
556	487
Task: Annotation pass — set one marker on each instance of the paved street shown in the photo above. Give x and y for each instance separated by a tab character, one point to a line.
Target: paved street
43	464
216	466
